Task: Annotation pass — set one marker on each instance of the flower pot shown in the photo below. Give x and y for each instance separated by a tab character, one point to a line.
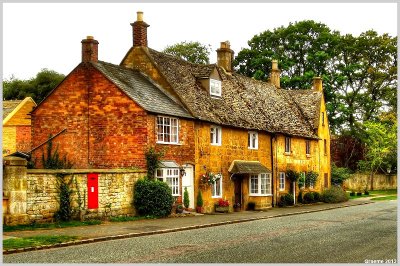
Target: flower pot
221	208
199	209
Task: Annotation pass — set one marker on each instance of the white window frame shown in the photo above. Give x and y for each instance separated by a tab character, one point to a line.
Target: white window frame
262	185
288	143
252	140
215	87
167	127
171	177
216	135
282	179
214	188
308	147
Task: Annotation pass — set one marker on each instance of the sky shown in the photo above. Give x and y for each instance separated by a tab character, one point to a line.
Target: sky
48	35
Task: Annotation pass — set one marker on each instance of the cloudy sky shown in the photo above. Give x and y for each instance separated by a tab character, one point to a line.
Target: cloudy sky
37	36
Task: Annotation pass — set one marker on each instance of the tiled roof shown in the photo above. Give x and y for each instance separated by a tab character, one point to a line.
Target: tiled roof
245	102
247	167
142	90
9	106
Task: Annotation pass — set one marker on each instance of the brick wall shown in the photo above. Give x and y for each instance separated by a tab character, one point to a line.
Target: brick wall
104	127
360	181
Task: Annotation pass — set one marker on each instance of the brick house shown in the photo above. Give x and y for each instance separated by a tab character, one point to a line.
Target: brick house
206	117
17	125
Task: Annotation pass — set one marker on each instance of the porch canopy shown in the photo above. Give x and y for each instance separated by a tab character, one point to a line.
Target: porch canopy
247	167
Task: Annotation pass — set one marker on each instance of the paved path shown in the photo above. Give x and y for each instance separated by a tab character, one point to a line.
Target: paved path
117	230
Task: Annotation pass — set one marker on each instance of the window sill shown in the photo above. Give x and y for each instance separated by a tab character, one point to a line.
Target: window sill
214	144
252	148
169	143
287	153
260	195
308	156
216	197
281	189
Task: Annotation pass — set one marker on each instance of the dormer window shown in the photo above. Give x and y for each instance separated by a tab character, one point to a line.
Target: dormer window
215	87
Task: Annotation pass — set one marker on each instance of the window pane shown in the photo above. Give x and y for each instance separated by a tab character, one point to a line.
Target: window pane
268	184
254	184
263	184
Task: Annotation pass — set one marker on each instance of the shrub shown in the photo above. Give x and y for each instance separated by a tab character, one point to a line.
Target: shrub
199	199
311	179
366	192
286	200
311	197
152	197
308	197
300	197
251	206
339	174
359	193
153	160
186	200
352	193
292	176
334	194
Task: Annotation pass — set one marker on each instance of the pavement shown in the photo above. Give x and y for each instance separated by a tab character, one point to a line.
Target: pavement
118	230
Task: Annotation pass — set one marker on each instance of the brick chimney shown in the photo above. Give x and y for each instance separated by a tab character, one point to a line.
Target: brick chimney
317	83
225	56
89	49
275	77
139	28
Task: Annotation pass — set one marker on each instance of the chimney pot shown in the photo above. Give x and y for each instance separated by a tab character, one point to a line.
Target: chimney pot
139	16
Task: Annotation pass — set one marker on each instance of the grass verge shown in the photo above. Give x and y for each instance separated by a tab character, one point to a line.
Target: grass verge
35	226
392	197
35	241
131	218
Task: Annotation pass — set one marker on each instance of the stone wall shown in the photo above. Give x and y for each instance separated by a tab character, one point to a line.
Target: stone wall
32	195
360	181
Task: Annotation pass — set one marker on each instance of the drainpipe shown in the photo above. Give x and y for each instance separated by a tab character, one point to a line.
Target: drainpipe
272	174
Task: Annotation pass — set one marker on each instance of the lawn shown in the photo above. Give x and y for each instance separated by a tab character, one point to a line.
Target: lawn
392	197
374	193
14	243
34	226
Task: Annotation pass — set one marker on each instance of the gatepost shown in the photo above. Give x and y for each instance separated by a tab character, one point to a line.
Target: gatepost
15	190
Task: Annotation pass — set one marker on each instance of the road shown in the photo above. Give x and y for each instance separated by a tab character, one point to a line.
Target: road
356	234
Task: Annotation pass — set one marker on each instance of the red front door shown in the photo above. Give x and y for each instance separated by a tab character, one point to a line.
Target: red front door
93	191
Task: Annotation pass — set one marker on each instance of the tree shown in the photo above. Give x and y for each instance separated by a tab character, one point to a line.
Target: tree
359	73
380	138
193	52
37	88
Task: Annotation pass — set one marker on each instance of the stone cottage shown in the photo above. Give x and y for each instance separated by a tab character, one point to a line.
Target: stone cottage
209	120
17	125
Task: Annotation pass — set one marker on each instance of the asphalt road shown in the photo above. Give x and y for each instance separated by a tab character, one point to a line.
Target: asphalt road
360	234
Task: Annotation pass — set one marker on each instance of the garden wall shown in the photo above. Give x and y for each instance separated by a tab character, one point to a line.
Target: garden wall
380	182
32	195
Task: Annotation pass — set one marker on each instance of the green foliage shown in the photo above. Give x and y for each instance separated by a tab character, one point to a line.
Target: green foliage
186	200
34	241
311	197
359	73
193	52
286	200
381	146
311	178
153	160
292	175
199	200
152	197
131	218
334	194
64	213
300	196
39	226
339	174
52	159
37	88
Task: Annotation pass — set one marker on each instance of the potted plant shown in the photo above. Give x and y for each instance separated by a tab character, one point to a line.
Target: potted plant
186	200
236	207
199	204
222	206
179	208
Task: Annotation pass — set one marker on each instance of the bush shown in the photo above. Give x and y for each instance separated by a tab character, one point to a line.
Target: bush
199	199
186	200
339	174
366	192
311	197
352	193
152	197
251	206
334	194
286	200
300	197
